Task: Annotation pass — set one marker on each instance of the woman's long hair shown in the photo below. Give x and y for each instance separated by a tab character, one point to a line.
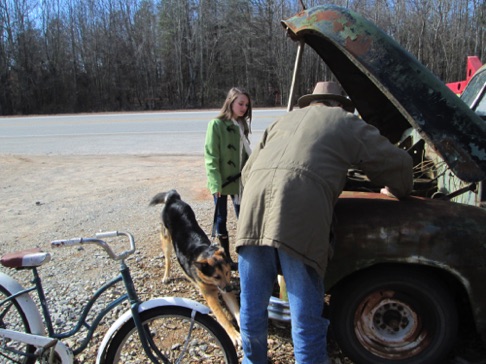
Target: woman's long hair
226	113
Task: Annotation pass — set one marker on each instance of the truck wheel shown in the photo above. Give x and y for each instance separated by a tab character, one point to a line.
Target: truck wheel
394	315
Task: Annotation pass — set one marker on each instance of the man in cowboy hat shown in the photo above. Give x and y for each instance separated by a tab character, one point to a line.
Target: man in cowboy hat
291	184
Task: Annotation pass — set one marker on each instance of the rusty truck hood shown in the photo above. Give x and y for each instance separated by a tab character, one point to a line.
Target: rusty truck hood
391	89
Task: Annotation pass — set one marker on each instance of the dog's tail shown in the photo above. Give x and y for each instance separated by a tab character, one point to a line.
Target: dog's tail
165	197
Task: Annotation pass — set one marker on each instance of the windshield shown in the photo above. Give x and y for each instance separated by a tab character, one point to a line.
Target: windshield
473	95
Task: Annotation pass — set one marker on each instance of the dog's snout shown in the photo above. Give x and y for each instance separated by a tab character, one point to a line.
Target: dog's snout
229	288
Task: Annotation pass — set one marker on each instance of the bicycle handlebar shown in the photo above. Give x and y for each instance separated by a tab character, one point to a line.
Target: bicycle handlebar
98	241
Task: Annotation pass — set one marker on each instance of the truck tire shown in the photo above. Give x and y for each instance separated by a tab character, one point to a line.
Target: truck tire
395	315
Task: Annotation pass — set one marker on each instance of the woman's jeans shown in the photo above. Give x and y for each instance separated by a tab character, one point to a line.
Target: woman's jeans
258	272
221	214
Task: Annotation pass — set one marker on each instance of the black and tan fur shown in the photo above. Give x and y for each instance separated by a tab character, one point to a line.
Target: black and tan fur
204	264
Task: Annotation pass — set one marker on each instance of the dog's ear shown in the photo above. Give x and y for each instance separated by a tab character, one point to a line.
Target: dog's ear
220	256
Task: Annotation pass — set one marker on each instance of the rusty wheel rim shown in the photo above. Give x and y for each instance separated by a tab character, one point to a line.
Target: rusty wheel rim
389	326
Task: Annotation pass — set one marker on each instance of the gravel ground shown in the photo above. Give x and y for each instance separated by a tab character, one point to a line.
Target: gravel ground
58	197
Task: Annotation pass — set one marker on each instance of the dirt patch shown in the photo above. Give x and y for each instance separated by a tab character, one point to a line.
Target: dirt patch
44	196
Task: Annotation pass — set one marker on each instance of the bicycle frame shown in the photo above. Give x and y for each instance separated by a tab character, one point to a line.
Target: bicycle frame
53	339
130	295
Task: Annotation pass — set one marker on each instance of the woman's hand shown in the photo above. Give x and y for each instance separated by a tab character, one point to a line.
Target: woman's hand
217	194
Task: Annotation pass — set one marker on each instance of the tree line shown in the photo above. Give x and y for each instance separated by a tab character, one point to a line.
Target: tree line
61	56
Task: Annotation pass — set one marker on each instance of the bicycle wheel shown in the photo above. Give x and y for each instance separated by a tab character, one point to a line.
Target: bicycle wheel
169	327
13	318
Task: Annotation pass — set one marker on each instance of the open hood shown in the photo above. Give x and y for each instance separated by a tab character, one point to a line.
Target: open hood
391	89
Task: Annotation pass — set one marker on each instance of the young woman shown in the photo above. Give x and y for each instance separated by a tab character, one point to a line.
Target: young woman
226	150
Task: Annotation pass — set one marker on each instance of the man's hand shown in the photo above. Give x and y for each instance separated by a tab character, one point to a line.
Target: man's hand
387	192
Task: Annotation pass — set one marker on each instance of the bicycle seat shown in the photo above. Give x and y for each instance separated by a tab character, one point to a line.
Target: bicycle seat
29	258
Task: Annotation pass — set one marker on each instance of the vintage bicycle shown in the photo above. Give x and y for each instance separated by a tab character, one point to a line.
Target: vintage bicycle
159	330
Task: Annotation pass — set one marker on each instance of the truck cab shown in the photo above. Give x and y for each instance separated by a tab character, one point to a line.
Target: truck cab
406	276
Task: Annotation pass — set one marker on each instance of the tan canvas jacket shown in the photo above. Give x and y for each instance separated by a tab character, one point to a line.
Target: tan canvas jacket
295	175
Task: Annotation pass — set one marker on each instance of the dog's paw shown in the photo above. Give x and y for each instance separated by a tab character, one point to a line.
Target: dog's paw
236	339
165	280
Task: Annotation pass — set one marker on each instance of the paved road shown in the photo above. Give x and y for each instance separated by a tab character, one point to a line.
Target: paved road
179	132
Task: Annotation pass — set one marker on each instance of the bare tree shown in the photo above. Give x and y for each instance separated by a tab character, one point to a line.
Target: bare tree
94	55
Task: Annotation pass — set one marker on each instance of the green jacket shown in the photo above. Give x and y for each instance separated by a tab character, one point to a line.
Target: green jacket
222	156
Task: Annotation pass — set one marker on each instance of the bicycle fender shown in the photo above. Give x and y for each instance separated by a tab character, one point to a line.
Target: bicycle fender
40	341
64	353
144	306
27	304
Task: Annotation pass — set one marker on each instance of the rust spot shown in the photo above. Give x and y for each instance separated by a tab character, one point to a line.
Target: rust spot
358	46
326	16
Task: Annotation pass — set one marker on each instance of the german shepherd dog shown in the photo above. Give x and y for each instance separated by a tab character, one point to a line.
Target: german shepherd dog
204	264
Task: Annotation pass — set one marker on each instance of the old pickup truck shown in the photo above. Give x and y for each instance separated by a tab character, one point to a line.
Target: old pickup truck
407	276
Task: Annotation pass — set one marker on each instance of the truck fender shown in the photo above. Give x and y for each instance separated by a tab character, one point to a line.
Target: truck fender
144	306
27	304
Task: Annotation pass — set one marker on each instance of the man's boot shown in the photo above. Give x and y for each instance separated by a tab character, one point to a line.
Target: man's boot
224	241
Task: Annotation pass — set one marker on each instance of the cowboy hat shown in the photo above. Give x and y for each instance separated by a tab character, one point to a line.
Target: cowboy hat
327	91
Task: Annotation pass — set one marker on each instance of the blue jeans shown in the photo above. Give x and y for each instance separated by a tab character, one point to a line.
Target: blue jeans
258	273
221	214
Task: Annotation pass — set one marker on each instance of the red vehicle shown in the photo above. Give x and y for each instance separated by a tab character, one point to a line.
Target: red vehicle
473	64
